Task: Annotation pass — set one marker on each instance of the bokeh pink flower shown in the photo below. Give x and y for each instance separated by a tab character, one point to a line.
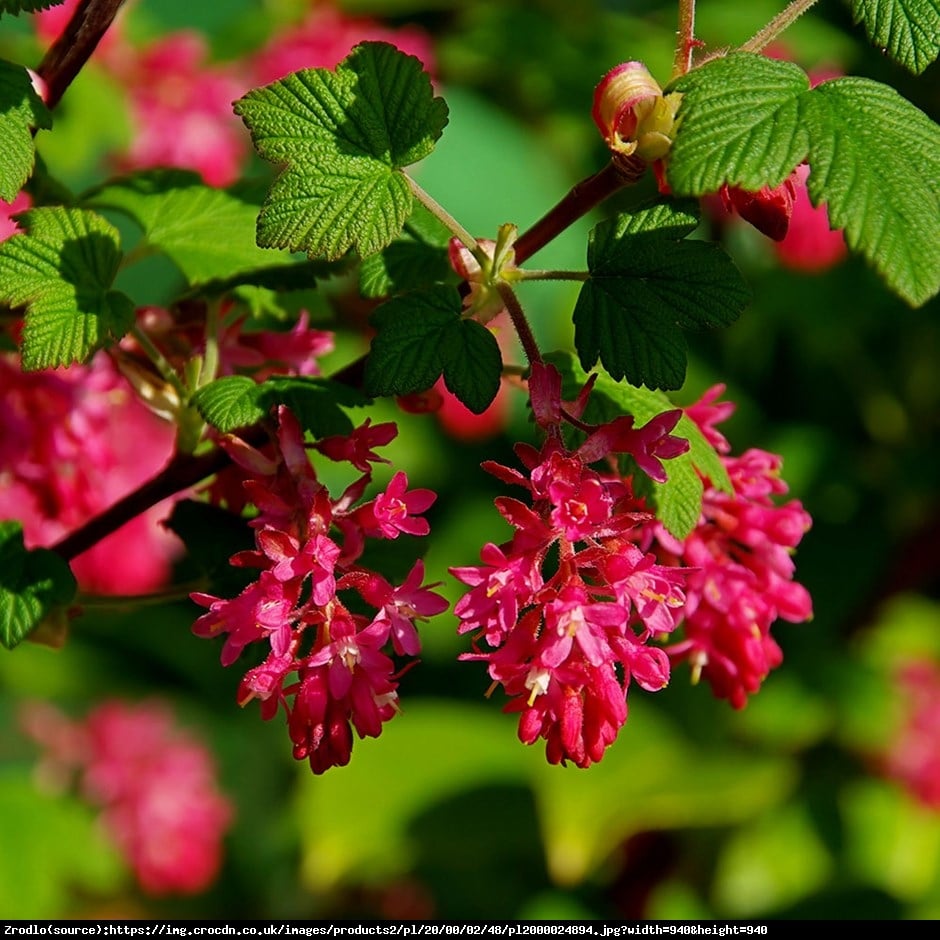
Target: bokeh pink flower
154	782
913	756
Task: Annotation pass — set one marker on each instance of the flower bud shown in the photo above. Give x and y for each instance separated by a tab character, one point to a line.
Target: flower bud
484	301
633	115
768	209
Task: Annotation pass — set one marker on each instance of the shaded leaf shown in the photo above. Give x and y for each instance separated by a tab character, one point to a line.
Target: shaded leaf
406	354
473	364
908	30
61	269
21	112
208	233
648	283
32	583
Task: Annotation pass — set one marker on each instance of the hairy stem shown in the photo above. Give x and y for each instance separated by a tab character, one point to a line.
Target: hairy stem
519	321
534	274
67	56
784	19
685	42
448	221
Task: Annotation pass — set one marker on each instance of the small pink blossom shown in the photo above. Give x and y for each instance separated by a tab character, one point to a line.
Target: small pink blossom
400	607
395	510
499	587
648	445
263	353
357	447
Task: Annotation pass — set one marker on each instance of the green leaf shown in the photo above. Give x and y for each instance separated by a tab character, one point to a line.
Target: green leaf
270	281
208	233
344	135
237	401
748	121
62	269
420	336
678	501
908	30
229	403
26	6
875	162
740	122
314	402
473	364
648	283
403	266
21	111
32	583
407	351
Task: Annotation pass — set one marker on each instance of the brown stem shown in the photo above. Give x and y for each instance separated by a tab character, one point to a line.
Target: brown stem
519	321
581	198
685	41
182	472
66	57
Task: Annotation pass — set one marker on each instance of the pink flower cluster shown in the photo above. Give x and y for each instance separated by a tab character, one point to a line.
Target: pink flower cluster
326	661
740	567
154	782
180	101
72	442
588	590
913	758
570	605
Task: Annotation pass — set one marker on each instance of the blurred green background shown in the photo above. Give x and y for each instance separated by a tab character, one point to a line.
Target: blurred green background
777	811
